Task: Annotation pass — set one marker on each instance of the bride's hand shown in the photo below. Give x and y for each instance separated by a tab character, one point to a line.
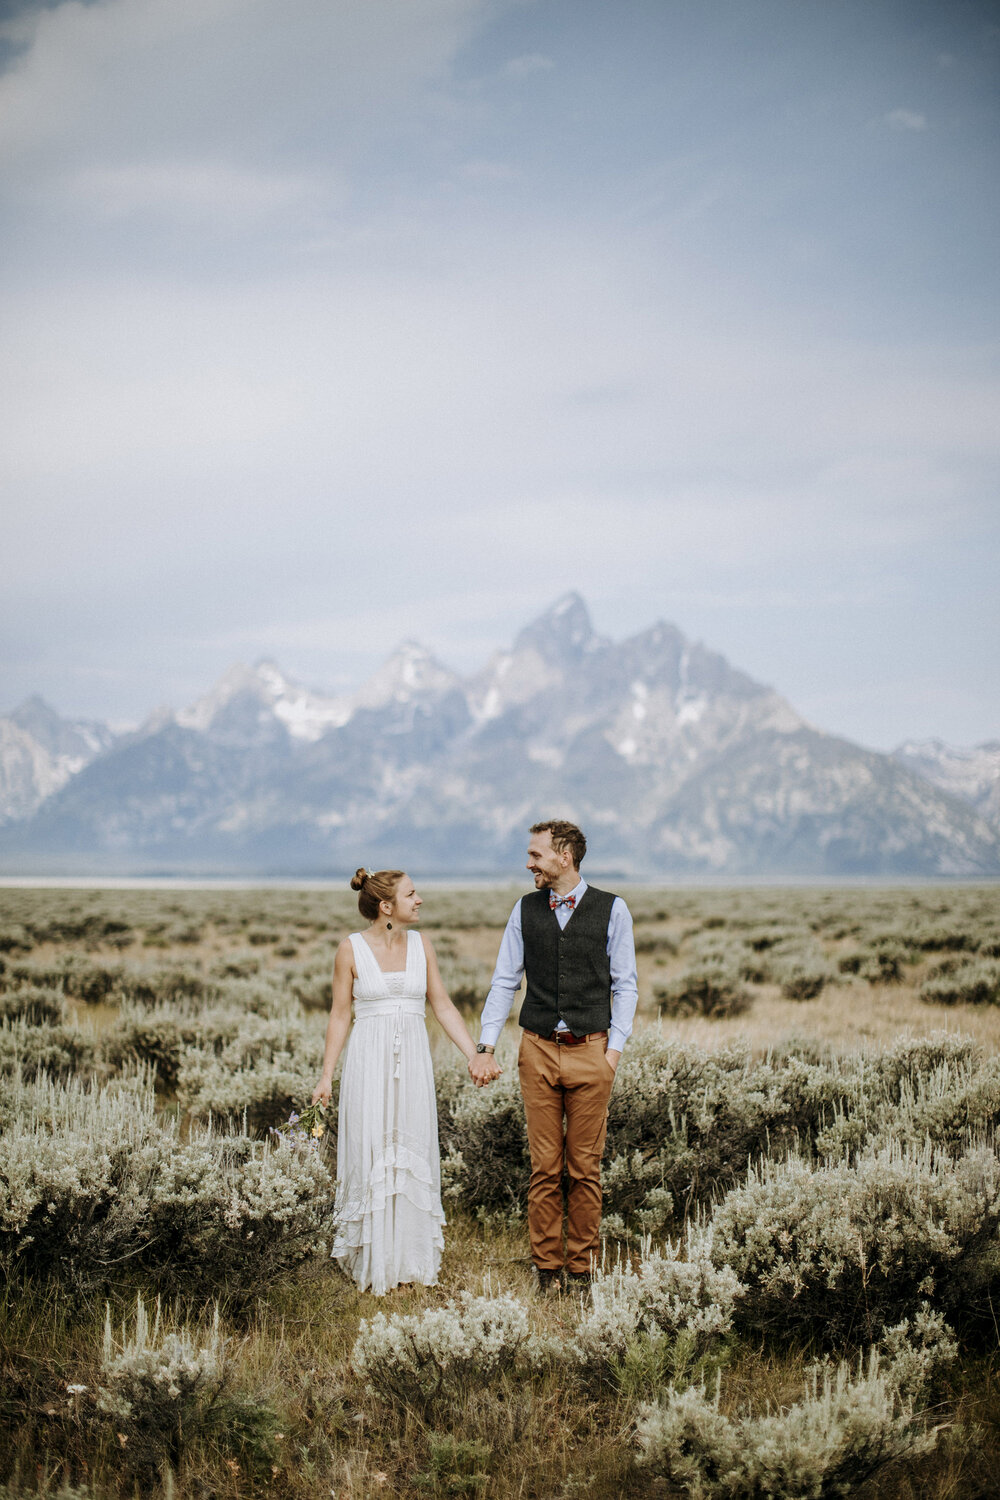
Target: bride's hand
321	1093
483	1068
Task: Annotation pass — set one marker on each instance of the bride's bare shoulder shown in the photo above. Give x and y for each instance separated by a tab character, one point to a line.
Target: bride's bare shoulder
344	957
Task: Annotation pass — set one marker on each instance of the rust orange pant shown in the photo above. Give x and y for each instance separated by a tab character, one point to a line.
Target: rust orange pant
572	1085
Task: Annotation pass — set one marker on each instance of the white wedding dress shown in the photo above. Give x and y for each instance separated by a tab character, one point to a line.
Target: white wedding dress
388	1215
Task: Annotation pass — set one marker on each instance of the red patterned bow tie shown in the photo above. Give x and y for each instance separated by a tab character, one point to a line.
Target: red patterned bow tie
555	901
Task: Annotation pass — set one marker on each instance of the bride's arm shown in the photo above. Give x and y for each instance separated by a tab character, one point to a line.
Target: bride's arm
339	1023
443	1007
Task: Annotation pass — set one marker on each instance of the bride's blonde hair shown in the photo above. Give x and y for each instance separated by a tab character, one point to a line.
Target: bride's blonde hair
374	886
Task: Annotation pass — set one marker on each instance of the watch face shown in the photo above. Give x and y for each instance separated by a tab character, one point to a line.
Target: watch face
480	1046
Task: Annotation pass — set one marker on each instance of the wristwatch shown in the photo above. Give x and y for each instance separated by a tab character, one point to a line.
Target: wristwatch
484	1047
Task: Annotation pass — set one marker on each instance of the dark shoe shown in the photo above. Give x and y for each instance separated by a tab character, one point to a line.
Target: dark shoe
548	1283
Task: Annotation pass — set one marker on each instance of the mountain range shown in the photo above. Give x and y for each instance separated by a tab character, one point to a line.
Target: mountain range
673	761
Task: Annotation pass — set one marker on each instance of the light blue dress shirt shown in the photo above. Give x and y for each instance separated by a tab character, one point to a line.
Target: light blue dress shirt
510	969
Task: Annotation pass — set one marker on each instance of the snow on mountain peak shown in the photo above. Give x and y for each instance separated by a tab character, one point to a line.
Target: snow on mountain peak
410	672
305	714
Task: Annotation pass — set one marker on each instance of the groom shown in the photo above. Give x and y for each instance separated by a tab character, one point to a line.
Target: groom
574	945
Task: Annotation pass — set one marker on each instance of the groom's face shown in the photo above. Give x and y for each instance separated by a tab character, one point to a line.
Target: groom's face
544	862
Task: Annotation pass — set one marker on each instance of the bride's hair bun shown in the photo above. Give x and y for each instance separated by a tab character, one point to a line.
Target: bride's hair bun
374	887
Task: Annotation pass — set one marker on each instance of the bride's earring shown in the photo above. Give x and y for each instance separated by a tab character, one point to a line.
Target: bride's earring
388	926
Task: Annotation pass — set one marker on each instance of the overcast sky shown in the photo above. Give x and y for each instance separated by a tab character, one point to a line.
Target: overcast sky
328	323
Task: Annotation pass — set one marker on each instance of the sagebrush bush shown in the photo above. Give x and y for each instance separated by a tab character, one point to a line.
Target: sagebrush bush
879	964
915	1351
655	939
709	989
33	1003
683	1123
939	1089
847	1426
258	1072
91	1180
802	978
485	1162
426	1358
30	1049
148	985
85	979
155	1034
15	939
844	1251
467	980
684	1305
935	937
158	1384
968	984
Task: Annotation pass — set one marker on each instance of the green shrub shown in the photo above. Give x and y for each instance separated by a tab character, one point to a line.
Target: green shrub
763	940
249	1065
155	1035
458	1466
149	986
311	984
259	937
184	934
683	1123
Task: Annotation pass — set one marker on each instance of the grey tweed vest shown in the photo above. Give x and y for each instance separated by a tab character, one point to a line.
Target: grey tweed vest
567	970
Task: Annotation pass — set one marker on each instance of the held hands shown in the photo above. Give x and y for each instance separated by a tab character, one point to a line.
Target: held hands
483	1068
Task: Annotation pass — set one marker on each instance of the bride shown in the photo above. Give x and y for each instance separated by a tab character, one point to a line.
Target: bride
388	1215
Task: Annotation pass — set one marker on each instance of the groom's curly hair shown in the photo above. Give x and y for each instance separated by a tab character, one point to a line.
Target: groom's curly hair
564	836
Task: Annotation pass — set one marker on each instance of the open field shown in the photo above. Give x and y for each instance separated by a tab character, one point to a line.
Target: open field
807	1115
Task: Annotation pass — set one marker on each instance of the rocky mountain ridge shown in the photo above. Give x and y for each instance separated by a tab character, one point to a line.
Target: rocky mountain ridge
971	773
671	759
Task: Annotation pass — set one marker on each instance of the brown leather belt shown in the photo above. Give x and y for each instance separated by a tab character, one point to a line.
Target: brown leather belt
567	1039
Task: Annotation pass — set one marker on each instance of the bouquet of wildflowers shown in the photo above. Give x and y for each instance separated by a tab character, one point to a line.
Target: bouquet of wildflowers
303	1129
